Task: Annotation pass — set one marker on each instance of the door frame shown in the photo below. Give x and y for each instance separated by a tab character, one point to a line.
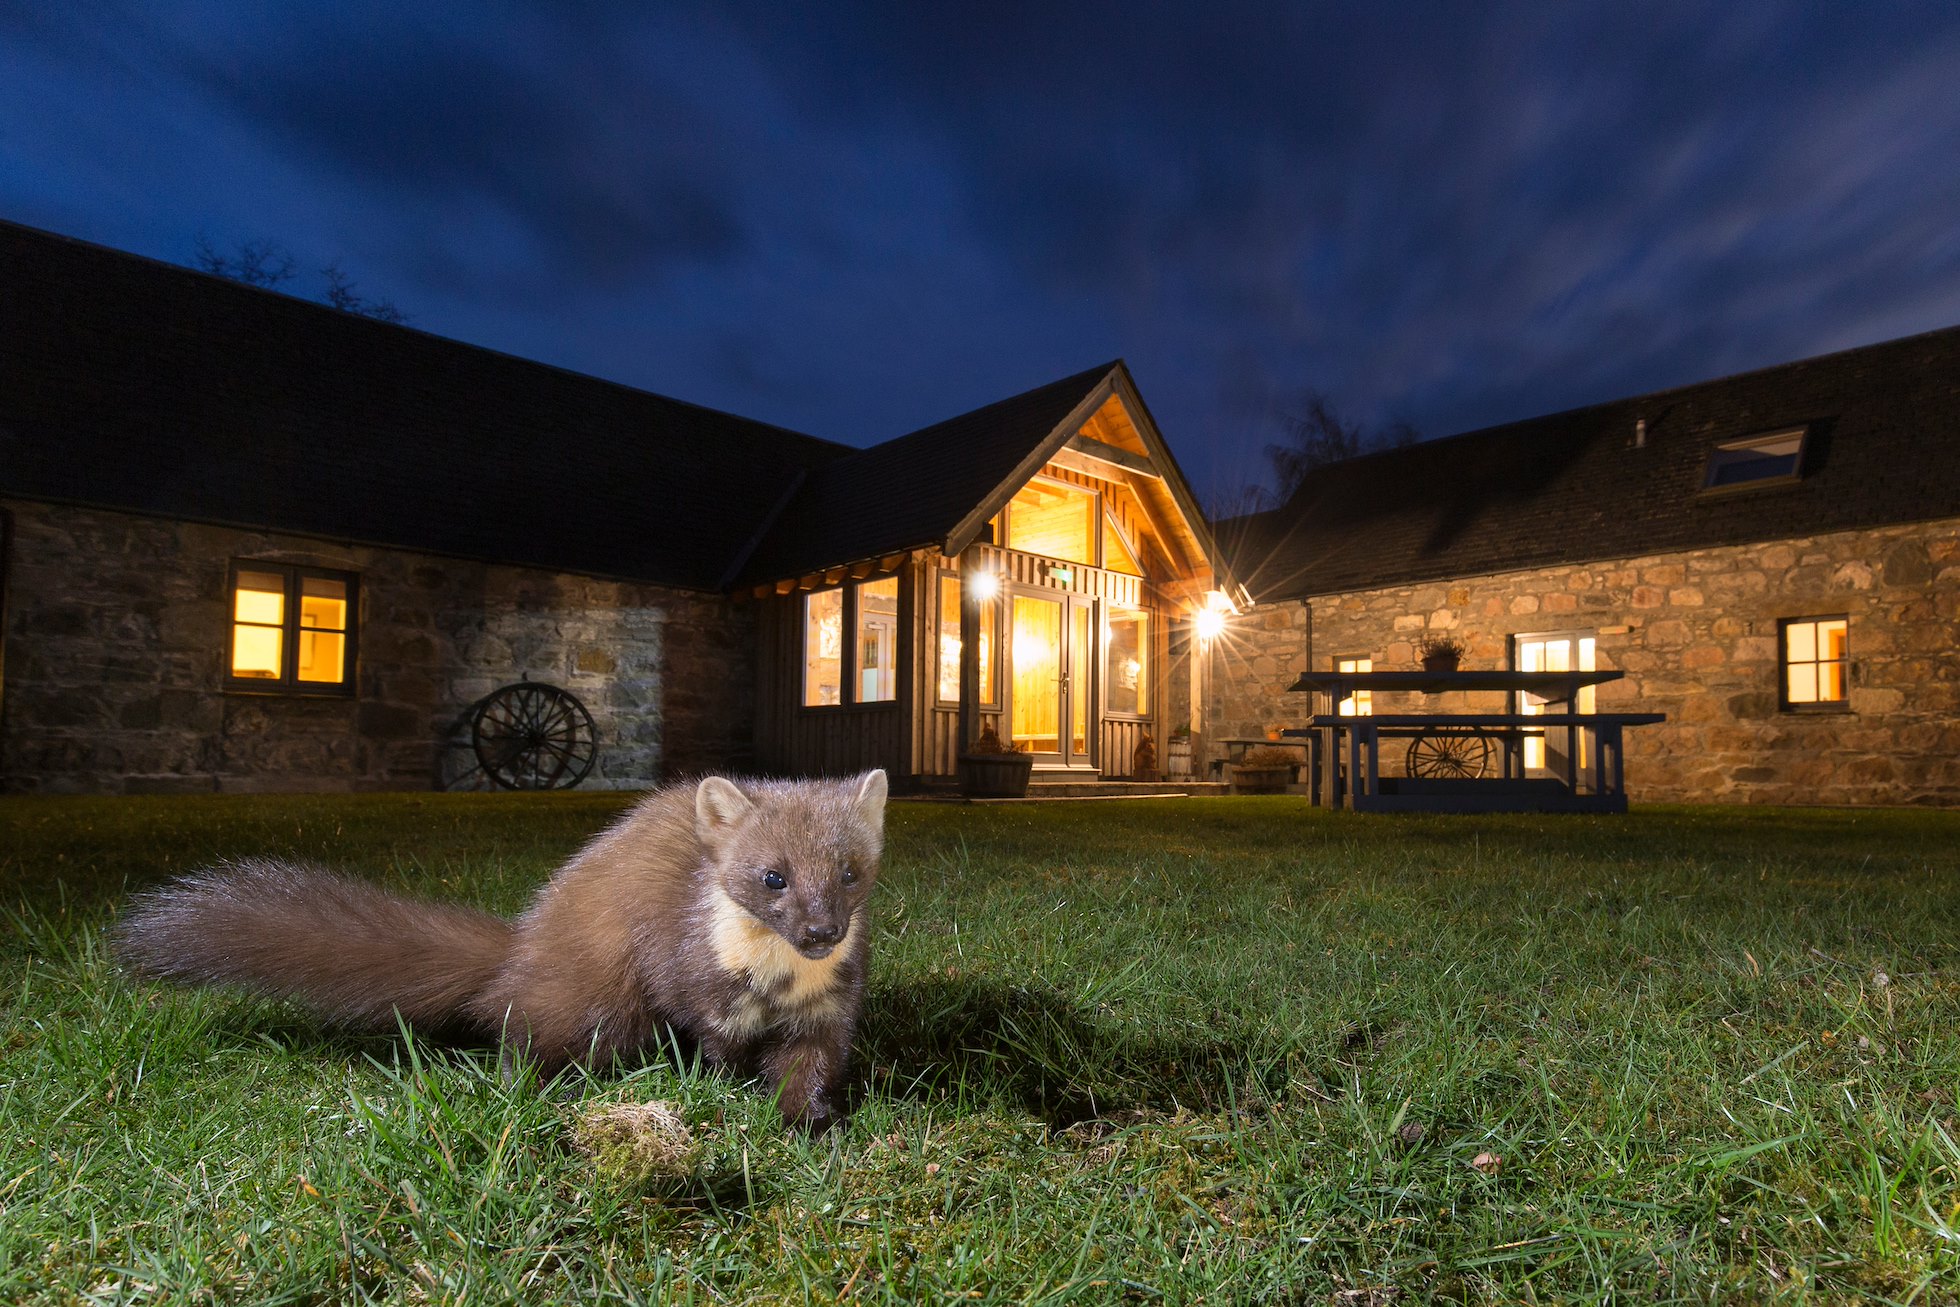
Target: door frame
1070	603
1553	759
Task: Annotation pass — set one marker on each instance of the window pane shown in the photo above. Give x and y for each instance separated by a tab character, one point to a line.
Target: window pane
1081	656
989	624
1126	669
1362	702
322	656
823	647
1058	521
256	652
1801	642
1037	674
1830	682
1802	681
1116	551
1759	458
949	637
261	597
323	603
1831	636
877	640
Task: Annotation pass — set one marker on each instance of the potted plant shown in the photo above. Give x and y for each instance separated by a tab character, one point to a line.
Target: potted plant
1439	653
994	769
1264	771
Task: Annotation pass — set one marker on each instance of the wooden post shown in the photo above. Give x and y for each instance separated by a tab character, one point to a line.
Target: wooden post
1200	655
971	564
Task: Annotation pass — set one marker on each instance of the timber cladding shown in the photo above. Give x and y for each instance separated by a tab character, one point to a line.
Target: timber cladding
916	734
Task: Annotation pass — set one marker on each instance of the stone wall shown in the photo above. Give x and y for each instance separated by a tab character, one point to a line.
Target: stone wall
1696	634
116	636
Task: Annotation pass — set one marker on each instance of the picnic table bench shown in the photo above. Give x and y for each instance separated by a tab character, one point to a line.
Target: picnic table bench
1450	751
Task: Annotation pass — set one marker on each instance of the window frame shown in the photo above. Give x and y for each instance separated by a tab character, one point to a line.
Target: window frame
1362	701
1100	624
1742	444
1133	547
1096	510
848	669
288	684
1824	707
943	575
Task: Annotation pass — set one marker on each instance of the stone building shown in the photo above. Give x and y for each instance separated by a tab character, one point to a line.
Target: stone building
251	543
1772	559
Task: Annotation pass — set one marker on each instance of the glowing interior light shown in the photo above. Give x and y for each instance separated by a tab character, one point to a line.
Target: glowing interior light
1210	623
986	585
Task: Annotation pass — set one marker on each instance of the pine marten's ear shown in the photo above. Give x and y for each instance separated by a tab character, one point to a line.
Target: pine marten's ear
871	798
718	805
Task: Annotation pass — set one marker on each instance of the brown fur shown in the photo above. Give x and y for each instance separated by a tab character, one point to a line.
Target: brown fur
665	920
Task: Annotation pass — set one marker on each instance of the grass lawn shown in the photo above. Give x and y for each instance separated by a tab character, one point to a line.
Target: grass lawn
1229	1049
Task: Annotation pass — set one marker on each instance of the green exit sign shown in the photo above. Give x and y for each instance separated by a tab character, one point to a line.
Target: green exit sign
1056	572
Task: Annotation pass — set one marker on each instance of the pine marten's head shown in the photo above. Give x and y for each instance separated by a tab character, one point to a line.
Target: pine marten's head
798	856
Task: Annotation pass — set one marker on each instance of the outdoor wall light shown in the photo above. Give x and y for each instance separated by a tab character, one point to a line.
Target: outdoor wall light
1209	624
986	586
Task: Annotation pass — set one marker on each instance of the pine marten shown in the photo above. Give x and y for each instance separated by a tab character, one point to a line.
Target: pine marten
732	913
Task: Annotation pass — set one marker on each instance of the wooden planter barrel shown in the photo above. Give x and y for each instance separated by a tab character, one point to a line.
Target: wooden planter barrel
995	775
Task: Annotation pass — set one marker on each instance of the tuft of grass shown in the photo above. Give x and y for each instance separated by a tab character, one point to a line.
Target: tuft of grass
1233	1049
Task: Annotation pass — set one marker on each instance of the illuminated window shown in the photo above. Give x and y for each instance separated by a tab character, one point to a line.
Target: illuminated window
949	642
1813	664
862	668
1126	672
292	629
823	647
1117	554
877	640
1055	520
1775	456
1362	702
1559	651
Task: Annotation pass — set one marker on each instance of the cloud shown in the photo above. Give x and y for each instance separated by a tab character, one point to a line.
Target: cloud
855	218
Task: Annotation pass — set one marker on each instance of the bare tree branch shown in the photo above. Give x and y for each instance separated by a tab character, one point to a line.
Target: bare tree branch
1318	434
268	265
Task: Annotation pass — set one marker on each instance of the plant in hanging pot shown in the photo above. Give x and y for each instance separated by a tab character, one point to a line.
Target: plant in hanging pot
1264	771
1439	653
995	769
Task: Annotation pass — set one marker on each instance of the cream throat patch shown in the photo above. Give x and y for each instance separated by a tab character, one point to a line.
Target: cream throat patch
776	972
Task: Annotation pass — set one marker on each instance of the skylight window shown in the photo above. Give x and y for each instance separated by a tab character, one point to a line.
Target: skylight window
1756	460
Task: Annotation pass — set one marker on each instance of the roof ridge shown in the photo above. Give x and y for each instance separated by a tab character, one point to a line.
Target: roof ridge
1086	376
1564	414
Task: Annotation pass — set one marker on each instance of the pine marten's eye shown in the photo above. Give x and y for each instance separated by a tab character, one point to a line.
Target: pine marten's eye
850	876
773	879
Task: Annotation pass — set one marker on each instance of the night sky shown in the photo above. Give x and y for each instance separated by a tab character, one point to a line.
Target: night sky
857	219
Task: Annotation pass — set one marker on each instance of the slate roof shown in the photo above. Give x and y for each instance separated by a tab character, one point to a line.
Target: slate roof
1884	447
131	384
914	490
136	385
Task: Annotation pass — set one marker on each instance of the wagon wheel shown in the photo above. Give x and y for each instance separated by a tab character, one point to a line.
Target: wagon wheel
1448	753
533	737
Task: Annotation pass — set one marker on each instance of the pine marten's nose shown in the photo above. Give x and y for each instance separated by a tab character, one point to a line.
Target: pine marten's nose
815	934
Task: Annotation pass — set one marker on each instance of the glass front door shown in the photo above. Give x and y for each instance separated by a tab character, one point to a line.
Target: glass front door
1051	689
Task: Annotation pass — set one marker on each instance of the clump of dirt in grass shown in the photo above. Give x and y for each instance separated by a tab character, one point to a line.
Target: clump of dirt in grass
640	1144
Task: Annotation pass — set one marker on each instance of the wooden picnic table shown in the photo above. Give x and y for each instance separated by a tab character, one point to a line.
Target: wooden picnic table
1598	786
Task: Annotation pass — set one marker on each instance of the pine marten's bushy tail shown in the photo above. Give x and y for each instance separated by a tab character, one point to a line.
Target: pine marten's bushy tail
351	952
